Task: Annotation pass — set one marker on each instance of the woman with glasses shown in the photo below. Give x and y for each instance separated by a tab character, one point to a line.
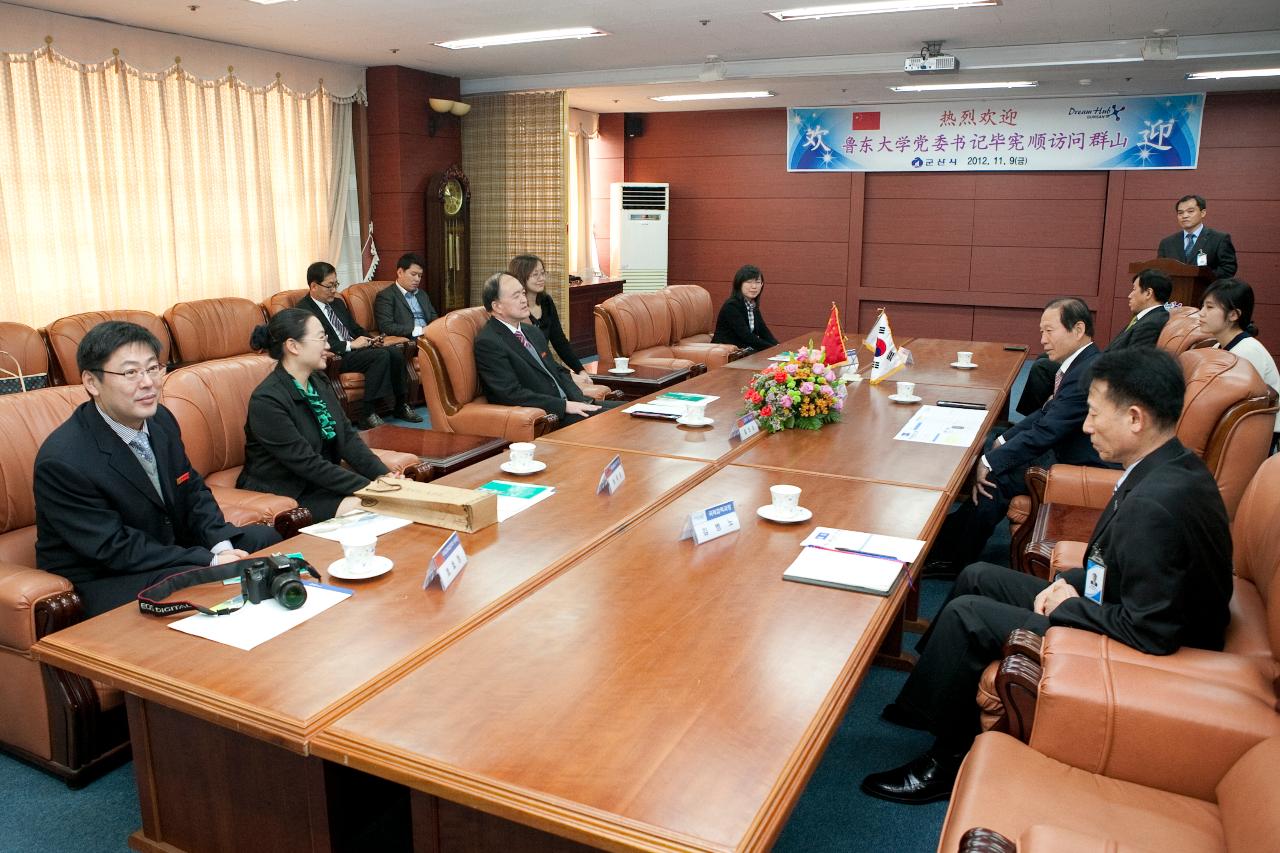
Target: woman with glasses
529	271
296	436
740	322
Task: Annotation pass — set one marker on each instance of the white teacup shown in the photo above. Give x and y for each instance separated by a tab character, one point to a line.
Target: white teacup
906	389
621	363
786	499
357	550
964	357
522	454
695	412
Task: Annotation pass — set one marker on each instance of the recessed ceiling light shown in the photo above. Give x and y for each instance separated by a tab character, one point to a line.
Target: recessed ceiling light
1243	72
712	96
948	87
523	38
813	13
271	2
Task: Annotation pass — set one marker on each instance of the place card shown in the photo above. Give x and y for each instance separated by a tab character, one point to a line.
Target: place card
612	476
446	563
711	523
745	427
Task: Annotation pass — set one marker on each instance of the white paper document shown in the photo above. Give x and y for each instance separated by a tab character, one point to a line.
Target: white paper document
939	425
515	498
868	544
357	522
254	624
842	570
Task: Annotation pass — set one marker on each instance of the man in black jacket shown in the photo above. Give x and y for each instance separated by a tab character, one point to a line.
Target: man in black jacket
1051	434
1157	575
404	308
1194	240
385	373
513	361
118	505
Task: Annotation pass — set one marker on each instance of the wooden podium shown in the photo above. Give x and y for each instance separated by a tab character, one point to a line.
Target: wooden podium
1189	282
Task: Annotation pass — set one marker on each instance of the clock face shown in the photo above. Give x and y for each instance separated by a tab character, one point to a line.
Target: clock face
452	197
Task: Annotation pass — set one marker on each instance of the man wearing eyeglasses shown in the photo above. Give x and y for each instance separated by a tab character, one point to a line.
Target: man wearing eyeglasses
118	505
385	373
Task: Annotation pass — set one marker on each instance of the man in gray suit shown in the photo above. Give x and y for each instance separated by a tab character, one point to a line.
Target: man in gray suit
404	308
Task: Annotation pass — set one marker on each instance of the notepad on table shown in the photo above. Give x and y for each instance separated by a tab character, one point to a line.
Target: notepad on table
842	570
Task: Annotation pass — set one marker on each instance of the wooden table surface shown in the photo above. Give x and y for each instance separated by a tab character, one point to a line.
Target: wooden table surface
284	690
758	361
997	367
657	694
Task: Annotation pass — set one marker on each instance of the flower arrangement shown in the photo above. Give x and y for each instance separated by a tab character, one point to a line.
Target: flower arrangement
800	393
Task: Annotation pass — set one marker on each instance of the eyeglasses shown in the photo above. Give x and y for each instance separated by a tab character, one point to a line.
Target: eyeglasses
324	286
134	374
318	339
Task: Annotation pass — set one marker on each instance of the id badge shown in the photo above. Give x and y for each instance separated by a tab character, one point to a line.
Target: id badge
1202	260
1095	579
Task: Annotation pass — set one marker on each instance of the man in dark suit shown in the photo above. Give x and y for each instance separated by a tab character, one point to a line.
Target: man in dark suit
1157	577
404	308
1194	240
513	361
1051	434
118	505
385	373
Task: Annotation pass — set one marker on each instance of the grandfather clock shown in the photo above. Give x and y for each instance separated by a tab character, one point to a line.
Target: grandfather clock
448	203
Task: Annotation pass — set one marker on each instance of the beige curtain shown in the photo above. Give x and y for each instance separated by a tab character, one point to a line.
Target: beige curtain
584	259
514	151
126	189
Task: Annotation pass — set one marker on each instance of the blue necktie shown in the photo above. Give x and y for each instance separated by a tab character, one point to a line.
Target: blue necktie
141	445
1191	241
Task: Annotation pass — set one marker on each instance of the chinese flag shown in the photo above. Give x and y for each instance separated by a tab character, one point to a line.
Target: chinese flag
833	340
866	121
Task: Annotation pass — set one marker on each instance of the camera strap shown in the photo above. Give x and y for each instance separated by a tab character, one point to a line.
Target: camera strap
151	600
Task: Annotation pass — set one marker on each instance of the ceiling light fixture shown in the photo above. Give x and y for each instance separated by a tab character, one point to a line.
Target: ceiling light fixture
1229	75
523	38
813	13
269	2
949	87
712	96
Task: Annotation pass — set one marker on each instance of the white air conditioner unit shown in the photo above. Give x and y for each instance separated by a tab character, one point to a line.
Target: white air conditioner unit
638	234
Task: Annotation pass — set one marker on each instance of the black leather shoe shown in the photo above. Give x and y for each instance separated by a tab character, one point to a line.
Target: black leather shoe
406	413
370	421
924	780
900	716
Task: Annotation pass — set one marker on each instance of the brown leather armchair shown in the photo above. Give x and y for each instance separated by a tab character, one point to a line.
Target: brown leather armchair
1227	419
58	721
206	329
64	336
24	354
693	319
1000	805
359	298
1182	331
639	326
210	401
446	352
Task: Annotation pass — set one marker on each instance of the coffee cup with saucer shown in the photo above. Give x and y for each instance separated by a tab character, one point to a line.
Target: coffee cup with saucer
522	461
695	416
785	508
621	365
358	560
964	360
906	393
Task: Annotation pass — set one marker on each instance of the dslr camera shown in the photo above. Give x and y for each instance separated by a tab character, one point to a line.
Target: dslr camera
278	577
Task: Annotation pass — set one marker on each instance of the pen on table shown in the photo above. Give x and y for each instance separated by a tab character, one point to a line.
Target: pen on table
856	551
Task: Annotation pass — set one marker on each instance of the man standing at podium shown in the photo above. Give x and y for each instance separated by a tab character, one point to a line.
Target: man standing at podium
1197	245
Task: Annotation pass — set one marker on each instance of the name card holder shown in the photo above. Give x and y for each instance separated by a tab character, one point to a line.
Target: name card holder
446	563
745	427
711	523
612	477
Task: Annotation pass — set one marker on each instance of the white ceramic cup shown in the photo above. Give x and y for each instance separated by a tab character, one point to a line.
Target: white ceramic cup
786	499
522	454
696	412
621	363
964	357
906	389
357	550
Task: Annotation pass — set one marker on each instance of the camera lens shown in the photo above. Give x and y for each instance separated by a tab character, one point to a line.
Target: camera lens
289	591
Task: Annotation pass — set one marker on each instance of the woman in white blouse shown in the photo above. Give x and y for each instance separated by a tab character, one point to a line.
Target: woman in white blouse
1227	315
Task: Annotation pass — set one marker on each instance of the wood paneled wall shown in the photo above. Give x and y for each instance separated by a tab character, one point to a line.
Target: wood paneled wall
403	157
607	153
960	255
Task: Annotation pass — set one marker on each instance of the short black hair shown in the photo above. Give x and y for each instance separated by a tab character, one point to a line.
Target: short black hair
408	259
1198	199
97	347
746	273
1160	285
489	292
289	324
1071	311
317	271
1147	377
1234	294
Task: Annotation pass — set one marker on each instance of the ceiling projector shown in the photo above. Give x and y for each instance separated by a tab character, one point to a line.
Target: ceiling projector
940	63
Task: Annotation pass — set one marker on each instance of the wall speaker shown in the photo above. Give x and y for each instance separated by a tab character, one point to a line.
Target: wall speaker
633	124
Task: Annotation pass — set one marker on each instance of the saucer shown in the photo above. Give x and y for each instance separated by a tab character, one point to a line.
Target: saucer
622	372
689	422
533	468
898	398
962	366
800	514
377	566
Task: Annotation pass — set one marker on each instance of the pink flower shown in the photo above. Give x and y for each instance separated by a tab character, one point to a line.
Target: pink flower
806	387
791	368
785	401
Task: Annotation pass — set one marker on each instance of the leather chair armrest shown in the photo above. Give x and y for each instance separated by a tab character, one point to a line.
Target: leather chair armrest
1118	719
514	423
34	603
1047	838
405	463
666	363
241	507
1067	555
983	840
1027	643
713	355
1081	485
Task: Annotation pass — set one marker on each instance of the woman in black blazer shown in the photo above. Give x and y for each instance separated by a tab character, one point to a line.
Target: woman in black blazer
529	271
296	435
740	322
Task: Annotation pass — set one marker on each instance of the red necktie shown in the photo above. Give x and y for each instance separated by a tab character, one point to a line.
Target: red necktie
1057	383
